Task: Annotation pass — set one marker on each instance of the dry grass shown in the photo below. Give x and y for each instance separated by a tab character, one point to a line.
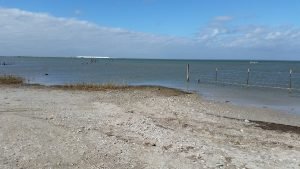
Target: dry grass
110	86
10	79
15	80
93	87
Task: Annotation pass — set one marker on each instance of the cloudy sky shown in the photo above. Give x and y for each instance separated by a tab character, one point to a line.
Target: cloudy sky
180	29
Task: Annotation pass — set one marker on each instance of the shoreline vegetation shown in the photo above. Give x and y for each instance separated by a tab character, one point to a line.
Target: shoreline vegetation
16	80
121	126
10	79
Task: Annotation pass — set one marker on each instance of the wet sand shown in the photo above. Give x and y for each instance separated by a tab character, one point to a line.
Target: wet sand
145	127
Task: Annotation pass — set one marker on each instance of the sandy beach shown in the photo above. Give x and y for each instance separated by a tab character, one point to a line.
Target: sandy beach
146	127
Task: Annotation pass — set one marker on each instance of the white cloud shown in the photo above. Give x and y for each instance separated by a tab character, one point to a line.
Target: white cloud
250	36
40	34
27	33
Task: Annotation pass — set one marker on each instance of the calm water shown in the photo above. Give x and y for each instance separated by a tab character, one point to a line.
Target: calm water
172	73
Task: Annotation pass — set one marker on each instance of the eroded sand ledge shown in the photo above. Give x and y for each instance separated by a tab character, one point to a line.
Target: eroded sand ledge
44	127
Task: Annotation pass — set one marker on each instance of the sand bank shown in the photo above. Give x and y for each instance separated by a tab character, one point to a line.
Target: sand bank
146	127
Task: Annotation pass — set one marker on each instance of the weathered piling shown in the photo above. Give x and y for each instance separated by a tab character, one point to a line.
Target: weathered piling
290	85
216	78
188	72
248	76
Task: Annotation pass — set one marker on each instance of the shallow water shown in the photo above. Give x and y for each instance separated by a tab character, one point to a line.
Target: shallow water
172	73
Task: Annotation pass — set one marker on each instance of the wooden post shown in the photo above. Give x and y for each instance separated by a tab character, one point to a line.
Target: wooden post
216	78
291	71
188	72
248	76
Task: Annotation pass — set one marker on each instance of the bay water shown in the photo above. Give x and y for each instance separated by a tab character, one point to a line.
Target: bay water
267	84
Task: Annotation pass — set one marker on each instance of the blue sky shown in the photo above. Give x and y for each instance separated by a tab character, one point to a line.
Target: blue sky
171	17
217	29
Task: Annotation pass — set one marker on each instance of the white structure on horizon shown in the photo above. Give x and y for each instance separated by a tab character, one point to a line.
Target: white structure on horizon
94	57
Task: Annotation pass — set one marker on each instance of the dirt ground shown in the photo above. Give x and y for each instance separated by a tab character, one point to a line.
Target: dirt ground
44	127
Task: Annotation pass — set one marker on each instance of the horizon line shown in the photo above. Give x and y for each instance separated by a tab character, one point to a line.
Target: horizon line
134	58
